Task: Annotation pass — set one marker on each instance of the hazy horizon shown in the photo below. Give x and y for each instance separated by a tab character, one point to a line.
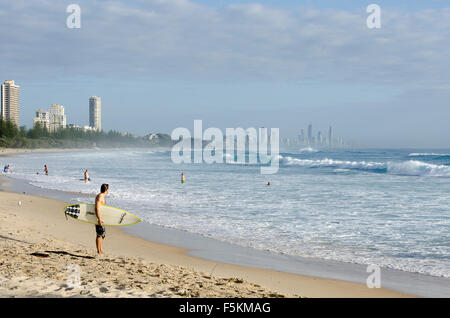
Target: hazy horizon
161	64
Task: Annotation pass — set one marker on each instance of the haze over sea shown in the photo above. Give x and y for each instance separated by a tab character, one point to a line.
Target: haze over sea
385	207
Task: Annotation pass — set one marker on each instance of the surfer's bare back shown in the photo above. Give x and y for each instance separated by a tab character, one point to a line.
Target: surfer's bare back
100	200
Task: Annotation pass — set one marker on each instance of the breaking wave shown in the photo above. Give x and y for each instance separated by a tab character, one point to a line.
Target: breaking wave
418	168
308	150
429	154
409	168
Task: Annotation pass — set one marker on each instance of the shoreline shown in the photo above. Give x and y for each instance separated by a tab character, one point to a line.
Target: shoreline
417	284
118	242
39	247
17	151
217	252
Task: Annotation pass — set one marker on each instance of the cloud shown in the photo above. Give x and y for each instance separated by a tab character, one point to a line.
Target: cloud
183	39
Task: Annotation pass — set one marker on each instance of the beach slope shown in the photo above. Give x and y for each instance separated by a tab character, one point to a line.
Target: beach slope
41	251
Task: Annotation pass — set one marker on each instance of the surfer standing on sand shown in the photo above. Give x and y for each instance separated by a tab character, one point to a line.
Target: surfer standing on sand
100	228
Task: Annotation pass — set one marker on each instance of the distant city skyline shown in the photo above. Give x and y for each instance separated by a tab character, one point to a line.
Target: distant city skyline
158	65
318	140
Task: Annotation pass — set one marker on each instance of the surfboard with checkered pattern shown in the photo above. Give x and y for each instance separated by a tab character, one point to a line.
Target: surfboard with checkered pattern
110	216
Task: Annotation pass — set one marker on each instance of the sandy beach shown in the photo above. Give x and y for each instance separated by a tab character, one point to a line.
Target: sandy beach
40	247
15	151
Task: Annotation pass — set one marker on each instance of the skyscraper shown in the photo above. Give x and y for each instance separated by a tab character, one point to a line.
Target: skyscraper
95	113
57	117
301	137
43	118
10	102
330	141
310	136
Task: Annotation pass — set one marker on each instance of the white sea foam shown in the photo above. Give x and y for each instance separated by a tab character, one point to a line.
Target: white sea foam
407	168
425	154
326	162
308	150
418	168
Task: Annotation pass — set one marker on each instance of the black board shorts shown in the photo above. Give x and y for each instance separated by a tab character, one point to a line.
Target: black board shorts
101	231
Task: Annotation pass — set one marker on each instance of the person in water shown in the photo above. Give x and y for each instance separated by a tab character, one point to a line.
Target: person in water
6	169
86	176
268	183
183	179
46	170
100	200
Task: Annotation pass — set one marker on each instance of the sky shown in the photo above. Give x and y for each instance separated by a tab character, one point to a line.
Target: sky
160	64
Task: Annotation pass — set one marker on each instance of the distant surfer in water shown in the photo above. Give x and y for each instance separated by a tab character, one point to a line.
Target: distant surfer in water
100	200
86	176
183	179
268	183
46	170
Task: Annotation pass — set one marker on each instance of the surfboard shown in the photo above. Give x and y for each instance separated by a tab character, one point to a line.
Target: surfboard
111	216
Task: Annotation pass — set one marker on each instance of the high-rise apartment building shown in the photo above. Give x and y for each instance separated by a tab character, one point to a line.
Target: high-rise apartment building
10	102
57	117
95	112
43	118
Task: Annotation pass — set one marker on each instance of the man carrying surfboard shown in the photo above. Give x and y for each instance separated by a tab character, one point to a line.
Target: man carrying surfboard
100	200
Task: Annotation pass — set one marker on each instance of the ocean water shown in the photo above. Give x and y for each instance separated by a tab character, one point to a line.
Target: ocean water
384	207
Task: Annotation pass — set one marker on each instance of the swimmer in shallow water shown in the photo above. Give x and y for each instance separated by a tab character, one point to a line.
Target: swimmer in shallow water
86	176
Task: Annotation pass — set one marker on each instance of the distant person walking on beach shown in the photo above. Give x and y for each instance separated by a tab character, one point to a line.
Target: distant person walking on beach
86	176
46	170
183	179
100	228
